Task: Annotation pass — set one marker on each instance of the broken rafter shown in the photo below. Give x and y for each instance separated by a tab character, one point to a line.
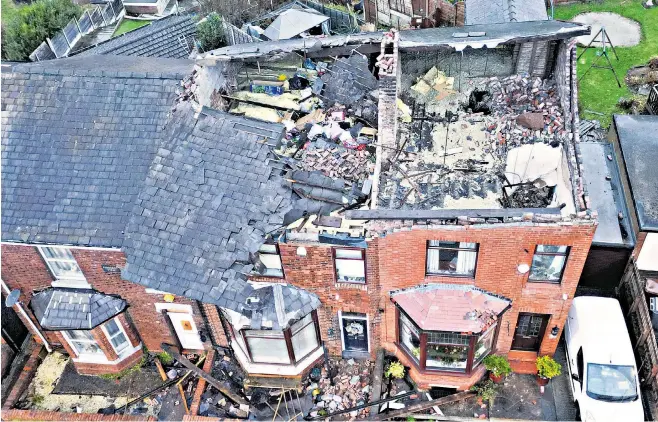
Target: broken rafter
203	374
419	407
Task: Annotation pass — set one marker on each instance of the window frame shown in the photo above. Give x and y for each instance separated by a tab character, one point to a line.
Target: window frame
421	361
109	337
71	342
565	254
363	258
427	256
287	337
59	281
278	254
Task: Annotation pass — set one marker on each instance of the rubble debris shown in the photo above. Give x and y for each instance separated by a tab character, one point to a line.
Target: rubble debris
348	81
591	130
337	161
453	149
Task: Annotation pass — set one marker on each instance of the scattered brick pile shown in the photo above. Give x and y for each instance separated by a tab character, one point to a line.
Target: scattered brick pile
352	387
526	110
351	165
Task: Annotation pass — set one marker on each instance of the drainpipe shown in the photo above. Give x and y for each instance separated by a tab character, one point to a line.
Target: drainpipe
27	318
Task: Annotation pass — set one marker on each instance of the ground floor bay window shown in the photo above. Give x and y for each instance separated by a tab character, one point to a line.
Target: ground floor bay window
436	332
281	347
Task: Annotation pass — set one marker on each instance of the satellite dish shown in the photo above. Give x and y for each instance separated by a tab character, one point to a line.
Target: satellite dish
12	298
523	268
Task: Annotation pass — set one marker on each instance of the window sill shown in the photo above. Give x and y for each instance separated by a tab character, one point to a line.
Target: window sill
468	276
103	360
71	284
351	285
277	369
555	283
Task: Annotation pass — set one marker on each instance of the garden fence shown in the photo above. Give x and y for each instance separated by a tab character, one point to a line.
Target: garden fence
64	41
633	301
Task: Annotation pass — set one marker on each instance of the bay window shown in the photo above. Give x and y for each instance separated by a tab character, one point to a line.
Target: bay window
548	263
451	258
83	343
282	347
350	265
117	336
443	350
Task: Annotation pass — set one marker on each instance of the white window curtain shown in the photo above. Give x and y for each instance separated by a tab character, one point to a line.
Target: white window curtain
267	346
350	265
455	261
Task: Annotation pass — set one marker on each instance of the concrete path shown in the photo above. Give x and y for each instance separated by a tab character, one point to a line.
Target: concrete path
623	32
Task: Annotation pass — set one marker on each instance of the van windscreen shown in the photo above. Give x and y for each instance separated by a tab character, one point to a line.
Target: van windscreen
613	383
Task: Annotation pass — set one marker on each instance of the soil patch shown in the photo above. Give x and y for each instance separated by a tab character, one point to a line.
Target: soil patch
623	32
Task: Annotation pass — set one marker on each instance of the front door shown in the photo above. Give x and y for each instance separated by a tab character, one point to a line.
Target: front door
529	332
354	329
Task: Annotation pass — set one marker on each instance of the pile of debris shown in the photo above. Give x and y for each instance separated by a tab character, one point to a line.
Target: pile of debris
350	386
591	130
337	161
640	79
527	110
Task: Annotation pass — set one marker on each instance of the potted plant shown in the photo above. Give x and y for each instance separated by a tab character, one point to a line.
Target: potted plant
498	367
547	368
395	370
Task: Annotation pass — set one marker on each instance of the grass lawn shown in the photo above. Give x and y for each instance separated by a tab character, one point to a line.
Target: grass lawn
598	89
128	25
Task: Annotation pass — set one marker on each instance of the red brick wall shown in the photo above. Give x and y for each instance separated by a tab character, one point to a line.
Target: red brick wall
45	415
23	268
398	261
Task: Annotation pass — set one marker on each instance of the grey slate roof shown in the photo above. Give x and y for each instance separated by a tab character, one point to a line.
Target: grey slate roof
169	37
210	197
479	12
639	149
74	309
78	136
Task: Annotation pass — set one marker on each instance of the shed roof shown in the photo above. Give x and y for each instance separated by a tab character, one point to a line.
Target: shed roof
169	37
293	22
78	136
503	11
450	307
74	309
639	150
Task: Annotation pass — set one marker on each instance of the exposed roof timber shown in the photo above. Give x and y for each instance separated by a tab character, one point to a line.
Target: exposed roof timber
496	34
410	40
389	214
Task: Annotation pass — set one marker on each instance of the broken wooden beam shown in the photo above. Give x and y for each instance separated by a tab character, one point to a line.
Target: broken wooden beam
377	384
203	374
419	407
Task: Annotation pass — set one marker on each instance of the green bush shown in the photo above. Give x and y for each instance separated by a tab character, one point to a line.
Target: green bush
29	26
165	358
210	32
498	365
547	367
395	370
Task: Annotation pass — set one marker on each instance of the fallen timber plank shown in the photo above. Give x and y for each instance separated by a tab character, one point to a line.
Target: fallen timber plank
203	374
418	407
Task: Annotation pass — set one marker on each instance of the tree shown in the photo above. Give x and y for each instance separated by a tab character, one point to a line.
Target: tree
210	32
26	29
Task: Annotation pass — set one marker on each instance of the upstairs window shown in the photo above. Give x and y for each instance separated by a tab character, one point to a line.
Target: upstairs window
63	267
548	263
451	258
271	259
350	265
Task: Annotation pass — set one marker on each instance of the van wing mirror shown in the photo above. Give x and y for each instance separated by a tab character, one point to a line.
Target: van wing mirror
575	377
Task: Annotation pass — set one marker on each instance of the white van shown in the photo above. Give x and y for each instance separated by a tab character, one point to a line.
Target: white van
600	360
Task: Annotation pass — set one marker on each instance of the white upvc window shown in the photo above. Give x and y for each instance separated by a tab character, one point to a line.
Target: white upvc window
115	332
63	266
350	265
83	343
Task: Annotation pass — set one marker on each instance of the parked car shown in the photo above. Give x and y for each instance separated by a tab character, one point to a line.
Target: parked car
601	363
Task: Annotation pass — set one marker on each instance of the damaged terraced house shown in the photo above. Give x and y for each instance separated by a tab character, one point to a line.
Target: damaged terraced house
417	191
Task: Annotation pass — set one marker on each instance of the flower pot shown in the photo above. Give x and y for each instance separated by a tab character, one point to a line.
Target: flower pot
542	381
496	378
